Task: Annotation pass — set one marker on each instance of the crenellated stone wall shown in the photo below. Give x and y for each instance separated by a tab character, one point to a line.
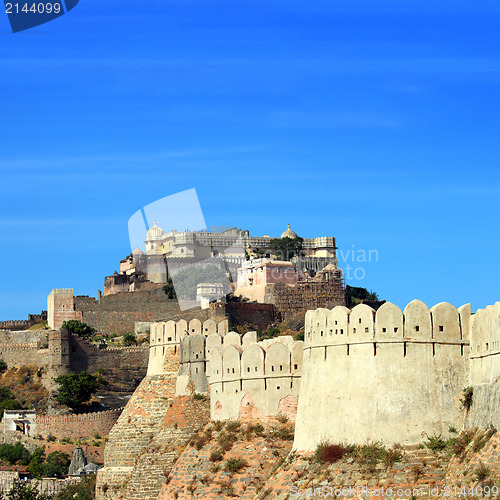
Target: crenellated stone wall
384	375
77	426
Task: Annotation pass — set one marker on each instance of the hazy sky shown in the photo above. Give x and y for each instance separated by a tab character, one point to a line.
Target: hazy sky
376	122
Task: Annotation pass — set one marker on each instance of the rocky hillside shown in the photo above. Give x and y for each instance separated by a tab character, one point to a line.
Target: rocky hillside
252	460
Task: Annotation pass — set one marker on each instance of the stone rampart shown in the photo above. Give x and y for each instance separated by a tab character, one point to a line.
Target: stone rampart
304	296
118	313
485	367
250	379
77	426
138	424
166	337
23	337
20	354
384	376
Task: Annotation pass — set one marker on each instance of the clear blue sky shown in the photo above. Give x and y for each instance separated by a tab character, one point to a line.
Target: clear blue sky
376	122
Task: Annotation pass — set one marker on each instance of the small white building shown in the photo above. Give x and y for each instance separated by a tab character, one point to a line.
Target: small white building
210	292
19	421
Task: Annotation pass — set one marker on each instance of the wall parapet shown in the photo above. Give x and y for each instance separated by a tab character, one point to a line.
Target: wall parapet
389	375
84	425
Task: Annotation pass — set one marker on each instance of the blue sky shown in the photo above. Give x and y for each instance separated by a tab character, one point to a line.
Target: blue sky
374	122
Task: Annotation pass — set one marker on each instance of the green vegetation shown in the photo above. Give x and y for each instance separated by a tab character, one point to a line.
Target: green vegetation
234	465
81	491
129	339
76	389
367	455
436	443
24	491
216	455
482	472
356	295
170	290
56	464
14	454
76	327
466	399
8	401
327	452
187	279
3	366
286	248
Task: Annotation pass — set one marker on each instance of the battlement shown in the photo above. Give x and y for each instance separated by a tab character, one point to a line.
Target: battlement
247	379
442	324
393	374
76	426
166	337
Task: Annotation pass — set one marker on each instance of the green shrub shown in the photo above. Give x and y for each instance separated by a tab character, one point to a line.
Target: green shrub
199	397
216	455
51	438
218	425
234	465
233	426
78	328
129	339
466	399
482	472
435	443
3	365
257	429
14	454
283	433
392	455
282	419
226	441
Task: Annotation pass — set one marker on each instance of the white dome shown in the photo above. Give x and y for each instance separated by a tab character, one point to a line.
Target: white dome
154	233
288	233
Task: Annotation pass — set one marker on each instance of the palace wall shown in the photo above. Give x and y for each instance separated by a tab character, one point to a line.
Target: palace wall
485	367
384	375
250	379
77	426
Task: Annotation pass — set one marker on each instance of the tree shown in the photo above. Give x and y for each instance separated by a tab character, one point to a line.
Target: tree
8	401
76	389
81	491
170	290
14	454
356	295
24	491
78	328
129	338
3	365
286	248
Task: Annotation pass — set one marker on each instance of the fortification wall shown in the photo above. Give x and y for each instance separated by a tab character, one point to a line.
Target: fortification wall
118	313
136	427
384	376
86	357
303	296
165	337
77	426
14	325
23	337
258	316
20	354
485	367
250	379
61	307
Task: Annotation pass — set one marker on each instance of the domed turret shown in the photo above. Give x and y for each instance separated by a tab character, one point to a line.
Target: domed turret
289	233
154	233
